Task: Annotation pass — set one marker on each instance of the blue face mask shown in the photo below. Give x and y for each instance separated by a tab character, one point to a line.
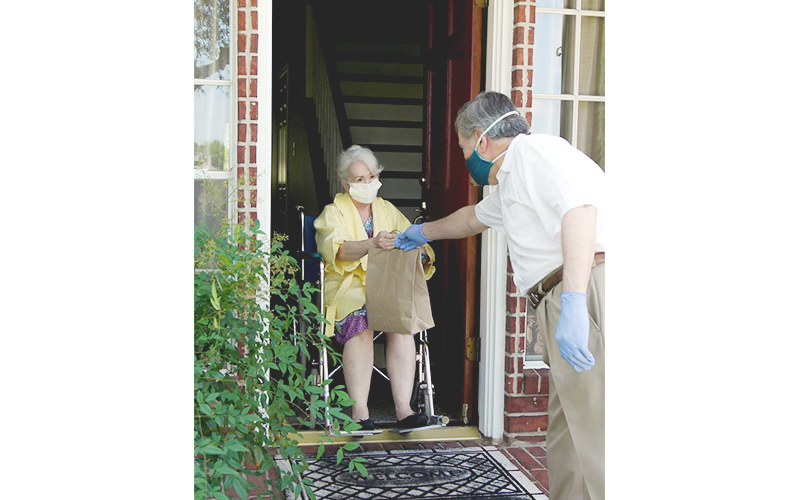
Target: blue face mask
477	166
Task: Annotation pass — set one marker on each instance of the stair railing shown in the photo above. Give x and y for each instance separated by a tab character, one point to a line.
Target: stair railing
322	87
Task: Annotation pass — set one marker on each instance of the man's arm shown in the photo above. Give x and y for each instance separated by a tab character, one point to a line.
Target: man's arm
459	224
578	234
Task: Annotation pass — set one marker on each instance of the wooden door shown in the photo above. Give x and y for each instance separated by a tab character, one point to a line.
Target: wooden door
452	77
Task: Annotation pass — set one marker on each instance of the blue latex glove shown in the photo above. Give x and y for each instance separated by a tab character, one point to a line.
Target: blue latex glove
411	238
572	331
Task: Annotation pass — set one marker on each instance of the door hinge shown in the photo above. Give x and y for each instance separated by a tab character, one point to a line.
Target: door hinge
473	349
464	410
482	3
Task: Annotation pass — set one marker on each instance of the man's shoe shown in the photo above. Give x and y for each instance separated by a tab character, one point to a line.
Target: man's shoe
366	425
413	420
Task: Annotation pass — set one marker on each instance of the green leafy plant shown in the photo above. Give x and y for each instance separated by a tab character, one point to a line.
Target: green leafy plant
252	388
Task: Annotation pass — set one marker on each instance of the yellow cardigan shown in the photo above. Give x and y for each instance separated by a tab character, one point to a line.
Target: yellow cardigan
345	281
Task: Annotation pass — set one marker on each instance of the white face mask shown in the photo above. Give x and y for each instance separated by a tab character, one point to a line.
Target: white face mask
365	193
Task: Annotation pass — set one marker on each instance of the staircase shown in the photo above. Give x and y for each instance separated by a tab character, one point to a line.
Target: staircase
379	73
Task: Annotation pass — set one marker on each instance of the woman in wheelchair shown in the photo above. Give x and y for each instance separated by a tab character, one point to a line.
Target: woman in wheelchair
347	229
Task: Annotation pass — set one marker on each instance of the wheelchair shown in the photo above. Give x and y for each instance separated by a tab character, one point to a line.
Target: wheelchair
312	270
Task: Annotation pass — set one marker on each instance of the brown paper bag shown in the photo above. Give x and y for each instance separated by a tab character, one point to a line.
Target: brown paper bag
397	294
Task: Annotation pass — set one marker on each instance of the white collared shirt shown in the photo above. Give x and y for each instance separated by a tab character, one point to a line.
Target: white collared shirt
542	177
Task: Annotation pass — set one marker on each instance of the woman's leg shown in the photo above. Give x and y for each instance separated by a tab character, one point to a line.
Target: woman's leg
400	364
357	363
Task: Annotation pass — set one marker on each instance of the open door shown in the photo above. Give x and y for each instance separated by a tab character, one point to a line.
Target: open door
453	77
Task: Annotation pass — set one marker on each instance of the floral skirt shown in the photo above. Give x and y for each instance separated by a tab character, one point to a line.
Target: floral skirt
351	325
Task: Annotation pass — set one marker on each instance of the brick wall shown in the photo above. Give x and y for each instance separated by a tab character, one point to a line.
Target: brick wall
525	390
247	108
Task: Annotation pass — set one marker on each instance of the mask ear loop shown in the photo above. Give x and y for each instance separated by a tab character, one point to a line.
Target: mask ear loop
515	112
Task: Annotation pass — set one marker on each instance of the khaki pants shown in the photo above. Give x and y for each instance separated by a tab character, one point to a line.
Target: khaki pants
576	428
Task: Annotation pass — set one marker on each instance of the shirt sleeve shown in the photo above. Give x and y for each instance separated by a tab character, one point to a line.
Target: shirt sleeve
489	213
564	179
331	233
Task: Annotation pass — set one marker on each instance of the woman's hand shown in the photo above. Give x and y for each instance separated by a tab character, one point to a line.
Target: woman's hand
384	240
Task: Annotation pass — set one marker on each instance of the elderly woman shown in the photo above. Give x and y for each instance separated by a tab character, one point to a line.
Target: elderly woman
347	229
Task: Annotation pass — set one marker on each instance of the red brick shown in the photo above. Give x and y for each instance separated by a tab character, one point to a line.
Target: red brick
519	35
511	342
254	132
532	382
523	458
242	18
242	110
529	117
241	43
516	98
254	19
252	154
253	88
253	174
526	424
531	14
241	87
520	14
513	384
242	3
510	286
254	44
540	476
253	198
241	65
511	324
516	78
254	111
254	65
526	404
242	135
514	364
240	154
509	267
518	57
511	304
529	61
254	3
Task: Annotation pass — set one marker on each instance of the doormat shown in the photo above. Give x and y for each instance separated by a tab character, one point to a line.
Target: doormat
481	473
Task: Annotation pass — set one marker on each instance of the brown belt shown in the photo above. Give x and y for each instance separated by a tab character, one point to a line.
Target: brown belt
539	290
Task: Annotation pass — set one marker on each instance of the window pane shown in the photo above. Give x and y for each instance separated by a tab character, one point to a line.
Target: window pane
591	131
212	39
592	5
552	117
556	4
210	204
534	346
212	127
553	54
593	56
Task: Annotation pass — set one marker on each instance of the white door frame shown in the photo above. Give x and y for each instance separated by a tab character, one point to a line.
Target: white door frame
491	369
264	142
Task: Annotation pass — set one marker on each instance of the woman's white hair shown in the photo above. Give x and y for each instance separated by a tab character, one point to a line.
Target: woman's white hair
353	154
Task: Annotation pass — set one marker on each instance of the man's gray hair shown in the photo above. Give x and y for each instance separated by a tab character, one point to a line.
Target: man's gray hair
353	154
485	108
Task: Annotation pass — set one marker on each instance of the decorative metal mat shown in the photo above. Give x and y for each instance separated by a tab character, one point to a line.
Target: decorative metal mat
452	474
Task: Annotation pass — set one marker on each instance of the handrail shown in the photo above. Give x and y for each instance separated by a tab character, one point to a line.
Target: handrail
322	87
